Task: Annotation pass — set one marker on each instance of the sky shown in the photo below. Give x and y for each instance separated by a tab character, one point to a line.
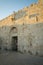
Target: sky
7	7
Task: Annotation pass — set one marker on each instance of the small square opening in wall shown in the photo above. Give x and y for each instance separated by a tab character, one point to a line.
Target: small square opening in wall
36	18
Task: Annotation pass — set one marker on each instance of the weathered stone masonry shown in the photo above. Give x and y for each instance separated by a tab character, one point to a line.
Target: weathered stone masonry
23	30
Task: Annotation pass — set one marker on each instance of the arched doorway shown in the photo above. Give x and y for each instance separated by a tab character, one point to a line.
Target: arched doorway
14	39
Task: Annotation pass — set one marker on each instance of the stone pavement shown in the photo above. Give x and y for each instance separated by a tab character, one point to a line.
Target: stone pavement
15	58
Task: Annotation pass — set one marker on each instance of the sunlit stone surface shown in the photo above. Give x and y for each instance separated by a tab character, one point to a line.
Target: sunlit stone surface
23	30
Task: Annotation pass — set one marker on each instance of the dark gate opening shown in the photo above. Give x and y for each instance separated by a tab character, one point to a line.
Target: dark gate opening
14	43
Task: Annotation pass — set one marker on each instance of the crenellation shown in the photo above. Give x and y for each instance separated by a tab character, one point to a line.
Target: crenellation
23	30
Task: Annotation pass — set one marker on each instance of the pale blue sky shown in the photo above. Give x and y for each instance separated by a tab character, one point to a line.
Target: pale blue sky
8	6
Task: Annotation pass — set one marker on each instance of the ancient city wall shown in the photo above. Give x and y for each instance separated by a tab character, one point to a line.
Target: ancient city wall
27	25
30	39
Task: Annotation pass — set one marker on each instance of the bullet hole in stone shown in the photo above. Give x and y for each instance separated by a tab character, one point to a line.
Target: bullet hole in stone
30	44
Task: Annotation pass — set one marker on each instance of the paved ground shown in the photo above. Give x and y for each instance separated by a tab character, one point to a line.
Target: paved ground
15	58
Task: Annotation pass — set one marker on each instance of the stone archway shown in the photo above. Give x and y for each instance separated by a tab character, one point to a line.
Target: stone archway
14	38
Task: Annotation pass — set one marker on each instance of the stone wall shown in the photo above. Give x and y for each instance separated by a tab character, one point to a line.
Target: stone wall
27	25
30	38
4	36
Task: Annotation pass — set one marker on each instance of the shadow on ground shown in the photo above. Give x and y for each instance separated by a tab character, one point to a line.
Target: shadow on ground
16	58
